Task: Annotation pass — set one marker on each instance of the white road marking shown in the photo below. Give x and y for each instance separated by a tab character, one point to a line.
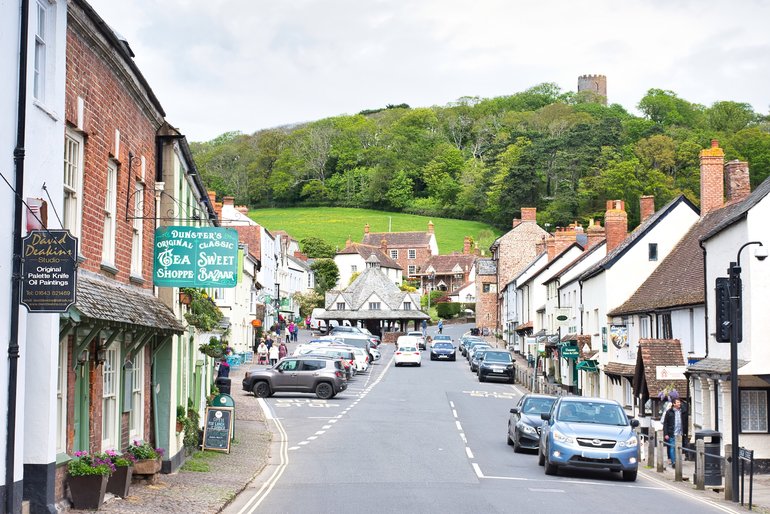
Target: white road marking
454	413
303	442
459	426
534	490
477	469
462	436
326	427
294	448
312	438
333	420
452	404
320	432
468	452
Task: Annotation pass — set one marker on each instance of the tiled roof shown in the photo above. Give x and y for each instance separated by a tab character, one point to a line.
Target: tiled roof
372	280
398	239
102	299
678	280
616	368
445	264
651	354
634	236
367	251
577	260
486	267
737	211
524	326
249	234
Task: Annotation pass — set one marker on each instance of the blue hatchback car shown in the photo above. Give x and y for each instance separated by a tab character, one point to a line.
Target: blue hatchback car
589	433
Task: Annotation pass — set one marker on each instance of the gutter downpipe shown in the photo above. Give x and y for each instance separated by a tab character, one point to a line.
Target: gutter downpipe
13	344
706	334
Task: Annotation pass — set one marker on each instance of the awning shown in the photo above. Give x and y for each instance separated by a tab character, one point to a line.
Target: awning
618	369
524	326
587	366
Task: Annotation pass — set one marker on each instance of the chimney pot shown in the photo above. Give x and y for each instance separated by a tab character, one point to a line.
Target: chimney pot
366	228
615	223
712	186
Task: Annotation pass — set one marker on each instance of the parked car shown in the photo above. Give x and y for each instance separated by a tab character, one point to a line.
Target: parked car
476	357
473	347
421	339
357	339
324	377
408	355
496	364
467	341
588	433
524	422
341	352
344	329
443	350
443	338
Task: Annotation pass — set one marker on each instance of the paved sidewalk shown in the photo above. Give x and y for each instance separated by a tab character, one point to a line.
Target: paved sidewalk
209	491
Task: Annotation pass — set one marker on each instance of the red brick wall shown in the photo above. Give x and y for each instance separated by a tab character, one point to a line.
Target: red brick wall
615	223
712	162
646	207
737	182
486	303
109	105
421	257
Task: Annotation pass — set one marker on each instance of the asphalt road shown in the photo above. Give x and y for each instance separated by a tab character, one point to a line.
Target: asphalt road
427	439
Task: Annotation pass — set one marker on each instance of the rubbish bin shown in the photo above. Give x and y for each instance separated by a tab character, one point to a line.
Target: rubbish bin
712	443
223	384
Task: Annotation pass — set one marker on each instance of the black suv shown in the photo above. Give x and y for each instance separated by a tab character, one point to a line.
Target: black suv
322	376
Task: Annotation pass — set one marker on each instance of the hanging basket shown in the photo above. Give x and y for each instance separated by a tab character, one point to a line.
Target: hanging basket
185	298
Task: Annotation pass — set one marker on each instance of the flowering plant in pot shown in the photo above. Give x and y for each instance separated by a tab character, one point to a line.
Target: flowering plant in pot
120	480
147	457
87	479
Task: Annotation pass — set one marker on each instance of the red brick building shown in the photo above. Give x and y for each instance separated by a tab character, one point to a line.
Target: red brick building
411	250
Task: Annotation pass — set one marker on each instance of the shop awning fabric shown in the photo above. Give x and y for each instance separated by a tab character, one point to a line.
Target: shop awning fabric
588	366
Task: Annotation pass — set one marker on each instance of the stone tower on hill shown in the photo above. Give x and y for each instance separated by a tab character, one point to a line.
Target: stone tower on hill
594	83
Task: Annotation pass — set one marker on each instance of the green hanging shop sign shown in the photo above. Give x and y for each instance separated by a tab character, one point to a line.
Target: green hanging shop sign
195	257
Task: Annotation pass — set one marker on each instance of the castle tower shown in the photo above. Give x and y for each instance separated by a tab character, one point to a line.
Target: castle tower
594	83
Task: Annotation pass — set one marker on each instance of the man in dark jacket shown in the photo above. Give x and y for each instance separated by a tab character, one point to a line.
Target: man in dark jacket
674	424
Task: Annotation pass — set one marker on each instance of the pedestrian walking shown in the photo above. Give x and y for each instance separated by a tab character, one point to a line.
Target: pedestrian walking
424	328
273	355
283	351
440	325
674	424
295	334
307	322
262	352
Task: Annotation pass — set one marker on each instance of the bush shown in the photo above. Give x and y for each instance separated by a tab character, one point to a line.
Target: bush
448	310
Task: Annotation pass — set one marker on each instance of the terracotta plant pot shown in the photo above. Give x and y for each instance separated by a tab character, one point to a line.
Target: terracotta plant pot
185	298
87	492
120	481
179	426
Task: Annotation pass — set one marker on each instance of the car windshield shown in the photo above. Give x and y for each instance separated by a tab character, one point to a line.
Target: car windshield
590	412
537	405
497	357
444	338
407	349
443	345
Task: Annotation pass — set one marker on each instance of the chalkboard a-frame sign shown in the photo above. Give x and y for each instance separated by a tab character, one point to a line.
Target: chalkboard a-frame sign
217	431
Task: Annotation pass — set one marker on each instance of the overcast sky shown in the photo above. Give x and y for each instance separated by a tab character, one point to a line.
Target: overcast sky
222	65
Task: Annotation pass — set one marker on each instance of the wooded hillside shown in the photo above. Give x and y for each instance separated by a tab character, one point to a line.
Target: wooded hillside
484	159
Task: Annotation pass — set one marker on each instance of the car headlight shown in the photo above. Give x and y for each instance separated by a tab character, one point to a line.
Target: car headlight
509	367
632	442
561	438
525	428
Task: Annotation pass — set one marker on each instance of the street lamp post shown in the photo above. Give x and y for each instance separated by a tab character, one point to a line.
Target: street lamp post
736	335
432	277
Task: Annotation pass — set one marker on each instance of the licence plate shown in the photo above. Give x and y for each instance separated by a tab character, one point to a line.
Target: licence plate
497	369
596	455
443	356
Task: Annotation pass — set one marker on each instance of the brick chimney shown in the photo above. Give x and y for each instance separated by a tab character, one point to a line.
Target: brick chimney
595	233
712	163
566	236
228	201
430	227
528	214
516	222
212	197
646	207
466	245
242	209
348	242
550	247
384	245
540	246
737	182
615	223
366	228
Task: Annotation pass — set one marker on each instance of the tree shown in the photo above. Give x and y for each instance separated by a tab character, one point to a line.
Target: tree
317	248
666	108
308	301
730	116
326	275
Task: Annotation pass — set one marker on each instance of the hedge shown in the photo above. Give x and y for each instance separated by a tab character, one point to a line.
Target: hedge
448	309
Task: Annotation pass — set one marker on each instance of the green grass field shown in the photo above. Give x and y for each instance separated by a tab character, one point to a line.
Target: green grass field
336	224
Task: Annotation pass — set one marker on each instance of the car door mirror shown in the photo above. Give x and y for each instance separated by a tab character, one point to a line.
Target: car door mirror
545	416
634	423
515	410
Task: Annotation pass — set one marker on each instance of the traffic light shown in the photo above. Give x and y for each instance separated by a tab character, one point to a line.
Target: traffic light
724	289
723	310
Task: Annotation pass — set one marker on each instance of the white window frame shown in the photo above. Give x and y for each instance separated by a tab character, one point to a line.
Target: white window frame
374	306
137	232
42	33
697	400
353	268
110	398
73	182
340	306
394	254
407	306
110	214
136	413
411	269
754	411
61	398
411	253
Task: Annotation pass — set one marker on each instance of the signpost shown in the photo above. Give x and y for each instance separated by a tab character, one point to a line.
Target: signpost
217	431
195	257
49	276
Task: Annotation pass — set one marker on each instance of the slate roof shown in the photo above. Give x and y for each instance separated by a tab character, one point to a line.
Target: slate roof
102	299
710	365
398	239
366	251
486	267
651	354
648	224
577	260
372	281
738	211
445	264
616	368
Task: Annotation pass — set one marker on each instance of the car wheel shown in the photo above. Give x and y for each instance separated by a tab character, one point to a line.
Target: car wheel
396	364
550	469
261	390
540	457
516	447
324	390
629	476
454	357
419	364
482	378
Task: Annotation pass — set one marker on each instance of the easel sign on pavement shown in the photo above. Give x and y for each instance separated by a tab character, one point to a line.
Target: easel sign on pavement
218	429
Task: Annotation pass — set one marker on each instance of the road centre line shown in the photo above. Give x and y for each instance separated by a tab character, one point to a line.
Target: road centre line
454	413
468	452
452	404
326	427
462	436
459	426
477	469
